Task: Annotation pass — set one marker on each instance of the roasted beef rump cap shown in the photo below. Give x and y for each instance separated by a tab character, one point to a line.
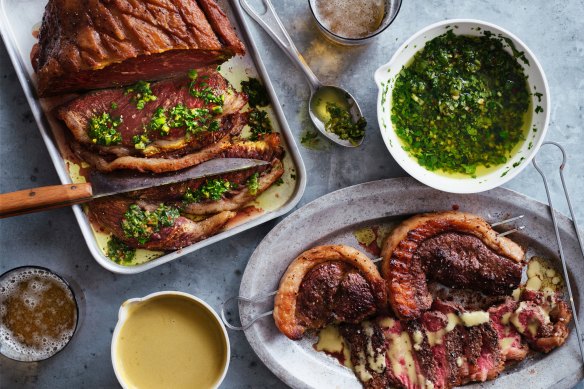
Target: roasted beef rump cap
90	44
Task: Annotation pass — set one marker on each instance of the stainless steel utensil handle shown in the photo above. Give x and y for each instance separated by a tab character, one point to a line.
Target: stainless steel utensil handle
272	24
553	214
254	300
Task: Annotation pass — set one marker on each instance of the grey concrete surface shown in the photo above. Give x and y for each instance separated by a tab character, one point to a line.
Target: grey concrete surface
554	30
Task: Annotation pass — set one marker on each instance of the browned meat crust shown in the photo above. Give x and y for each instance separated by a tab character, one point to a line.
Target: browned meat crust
455	248
109	212
350	285
90	44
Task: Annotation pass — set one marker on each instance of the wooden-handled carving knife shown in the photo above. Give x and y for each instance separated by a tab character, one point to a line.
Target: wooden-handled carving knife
49	197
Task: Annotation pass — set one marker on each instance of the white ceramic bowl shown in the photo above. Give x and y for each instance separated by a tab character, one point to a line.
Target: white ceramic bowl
123	315
385	78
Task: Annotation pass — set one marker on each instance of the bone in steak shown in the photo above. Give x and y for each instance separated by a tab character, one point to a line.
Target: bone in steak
455	248
91	44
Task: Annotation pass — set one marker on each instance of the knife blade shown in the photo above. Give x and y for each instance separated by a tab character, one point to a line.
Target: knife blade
101	184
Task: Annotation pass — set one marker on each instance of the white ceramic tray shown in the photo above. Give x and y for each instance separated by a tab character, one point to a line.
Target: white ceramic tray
18	19
332	219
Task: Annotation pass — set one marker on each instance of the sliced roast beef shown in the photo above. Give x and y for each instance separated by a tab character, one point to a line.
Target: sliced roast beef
167	119
90	44
109	213
237	196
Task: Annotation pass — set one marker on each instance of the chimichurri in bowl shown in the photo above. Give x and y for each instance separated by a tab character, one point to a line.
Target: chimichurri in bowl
462	106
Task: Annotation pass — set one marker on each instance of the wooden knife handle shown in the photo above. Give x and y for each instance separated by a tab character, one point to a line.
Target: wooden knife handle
40	199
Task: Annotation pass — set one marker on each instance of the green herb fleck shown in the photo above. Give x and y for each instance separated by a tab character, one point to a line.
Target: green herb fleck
140	224
538	109
310	139
341	123
119	252
103	130
253	184
212	189
140	141
201	90
259	124
194	119
158	122
114	105
142	94
279	181
256	93
539	96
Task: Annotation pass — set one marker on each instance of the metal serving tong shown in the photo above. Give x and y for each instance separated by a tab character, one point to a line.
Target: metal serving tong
553	215
257	299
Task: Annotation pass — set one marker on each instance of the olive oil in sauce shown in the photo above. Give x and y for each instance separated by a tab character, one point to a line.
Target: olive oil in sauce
170	342
38	314
350	18
327	95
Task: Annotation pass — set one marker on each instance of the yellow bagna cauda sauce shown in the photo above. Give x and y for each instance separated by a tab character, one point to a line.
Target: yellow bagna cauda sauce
170	341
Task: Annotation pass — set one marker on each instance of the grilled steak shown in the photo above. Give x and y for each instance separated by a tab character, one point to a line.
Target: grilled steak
454	248
334	292
327	284
90	44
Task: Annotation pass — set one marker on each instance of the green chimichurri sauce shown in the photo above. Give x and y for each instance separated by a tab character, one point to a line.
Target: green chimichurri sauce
460	104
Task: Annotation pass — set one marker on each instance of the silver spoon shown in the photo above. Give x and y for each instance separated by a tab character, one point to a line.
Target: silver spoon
320	94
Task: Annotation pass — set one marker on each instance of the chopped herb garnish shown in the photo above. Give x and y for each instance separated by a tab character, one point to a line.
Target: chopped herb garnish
259	124
194	119
310	139
158	122
140	224
140	141
460	104
114	105
341	123
256	93
279	181
202	90
212	189
253	184
142	94
538	109
119	252
103	130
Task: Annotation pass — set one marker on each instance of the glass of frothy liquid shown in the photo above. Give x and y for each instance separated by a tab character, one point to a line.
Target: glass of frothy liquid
38	313
353	22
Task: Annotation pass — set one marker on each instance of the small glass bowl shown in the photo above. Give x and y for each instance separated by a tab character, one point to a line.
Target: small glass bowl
392	8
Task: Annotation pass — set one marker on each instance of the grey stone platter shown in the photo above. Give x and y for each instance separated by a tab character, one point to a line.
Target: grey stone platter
333	218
